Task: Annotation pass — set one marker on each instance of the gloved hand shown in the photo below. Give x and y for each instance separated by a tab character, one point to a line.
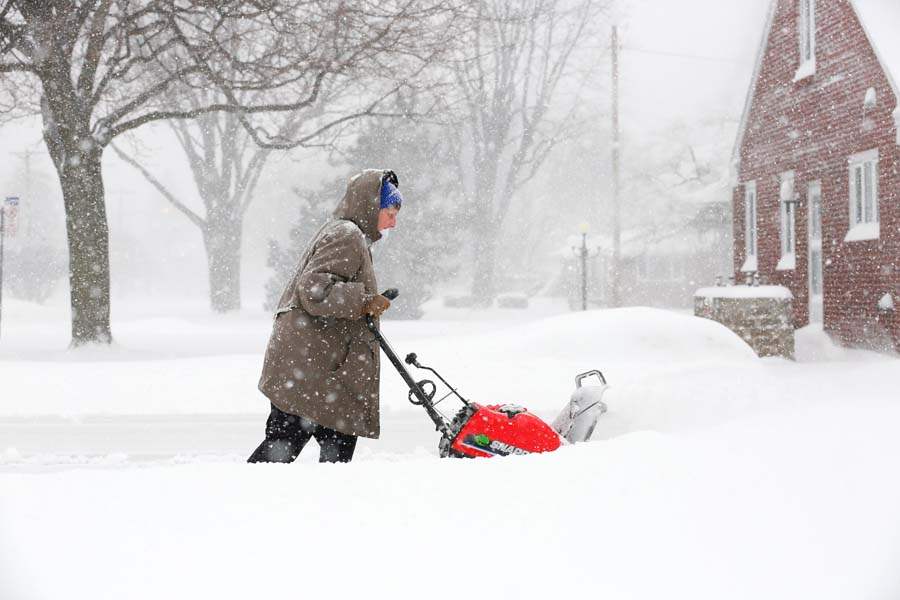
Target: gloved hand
376	305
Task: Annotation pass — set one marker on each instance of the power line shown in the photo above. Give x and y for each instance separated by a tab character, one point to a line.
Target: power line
720	59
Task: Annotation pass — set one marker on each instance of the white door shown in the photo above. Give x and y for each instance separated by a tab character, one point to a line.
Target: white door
816	300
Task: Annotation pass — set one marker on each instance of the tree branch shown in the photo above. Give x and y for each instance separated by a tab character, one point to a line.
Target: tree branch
194	218
218	107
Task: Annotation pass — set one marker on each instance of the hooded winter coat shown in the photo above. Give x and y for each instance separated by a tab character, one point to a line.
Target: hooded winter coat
322	363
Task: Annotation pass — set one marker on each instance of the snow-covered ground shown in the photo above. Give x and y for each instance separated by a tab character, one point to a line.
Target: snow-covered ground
714	475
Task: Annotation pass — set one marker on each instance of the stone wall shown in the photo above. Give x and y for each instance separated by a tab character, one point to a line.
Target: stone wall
761	315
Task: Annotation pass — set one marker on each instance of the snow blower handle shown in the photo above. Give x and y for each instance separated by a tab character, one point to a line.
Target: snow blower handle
415	389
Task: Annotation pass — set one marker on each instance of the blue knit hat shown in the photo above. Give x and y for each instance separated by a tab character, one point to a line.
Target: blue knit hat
390	195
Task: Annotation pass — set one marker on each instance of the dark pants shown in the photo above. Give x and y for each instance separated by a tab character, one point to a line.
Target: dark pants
286	435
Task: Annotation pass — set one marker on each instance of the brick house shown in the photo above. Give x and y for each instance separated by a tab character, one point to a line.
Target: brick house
816	200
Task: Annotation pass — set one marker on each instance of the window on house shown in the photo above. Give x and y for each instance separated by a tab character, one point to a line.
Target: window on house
807	30
788	222
750	231
863	197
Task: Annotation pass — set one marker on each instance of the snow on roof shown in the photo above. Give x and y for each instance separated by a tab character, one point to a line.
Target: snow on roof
881	20
748	98
745	291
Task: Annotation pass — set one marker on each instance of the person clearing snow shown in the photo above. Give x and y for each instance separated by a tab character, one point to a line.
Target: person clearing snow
321	366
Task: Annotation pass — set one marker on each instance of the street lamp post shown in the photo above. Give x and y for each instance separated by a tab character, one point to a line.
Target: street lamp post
583	253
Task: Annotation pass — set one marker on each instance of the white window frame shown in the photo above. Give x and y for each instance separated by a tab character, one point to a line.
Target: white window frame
863	201
817	302
787	209
751	231
806	33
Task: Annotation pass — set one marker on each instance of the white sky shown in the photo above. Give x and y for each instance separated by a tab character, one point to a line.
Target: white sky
703	53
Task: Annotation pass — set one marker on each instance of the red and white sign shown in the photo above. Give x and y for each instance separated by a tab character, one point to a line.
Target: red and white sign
11	216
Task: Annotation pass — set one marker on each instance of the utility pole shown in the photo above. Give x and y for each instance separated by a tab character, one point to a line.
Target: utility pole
616	216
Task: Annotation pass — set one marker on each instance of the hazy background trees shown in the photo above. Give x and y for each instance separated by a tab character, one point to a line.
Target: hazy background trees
96	69
226	166
519	77
227	157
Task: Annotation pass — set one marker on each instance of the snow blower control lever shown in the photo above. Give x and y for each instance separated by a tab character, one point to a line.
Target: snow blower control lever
417	389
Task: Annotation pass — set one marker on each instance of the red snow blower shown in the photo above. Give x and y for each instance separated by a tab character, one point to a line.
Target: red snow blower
498	429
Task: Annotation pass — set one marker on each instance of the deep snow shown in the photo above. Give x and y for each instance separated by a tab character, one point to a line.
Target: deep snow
714	475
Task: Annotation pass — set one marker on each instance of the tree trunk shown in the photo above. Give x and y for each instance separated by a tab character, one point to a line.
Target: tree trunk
484	285
87	229
222	238
78	162
486	229
484	280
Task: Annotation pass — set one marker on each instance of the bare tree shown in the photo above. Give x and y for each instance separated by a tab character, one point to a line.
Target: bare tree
522	55
100	68
226	166
227	158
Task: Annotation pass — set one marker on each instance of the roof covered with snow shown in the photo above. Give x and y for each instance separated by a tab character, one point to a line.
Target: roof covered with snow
745	291
881	20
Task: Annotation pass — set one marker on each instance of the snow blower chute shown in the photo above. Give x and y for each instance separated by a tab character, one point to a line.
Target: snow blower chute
497	429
